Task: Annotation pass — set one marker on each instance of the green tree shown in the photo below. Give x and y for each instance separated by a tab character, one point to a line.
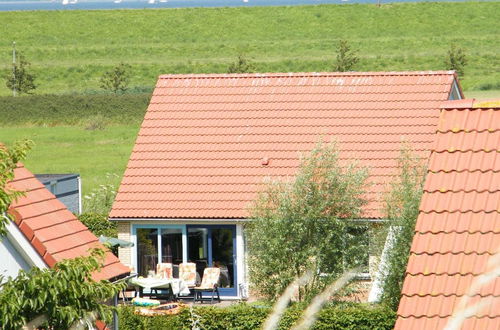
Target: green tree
117	79
402	207
456	60
19	79
9	157
241	65
346	57
57	297
301	225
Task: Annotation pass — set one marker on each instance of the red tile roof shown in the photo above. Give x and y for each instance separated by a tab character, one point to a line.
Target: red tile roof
202	145
54	232
458	230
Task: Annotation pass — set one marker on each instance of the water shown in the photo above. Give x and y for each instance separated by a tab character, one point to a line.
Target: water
154	4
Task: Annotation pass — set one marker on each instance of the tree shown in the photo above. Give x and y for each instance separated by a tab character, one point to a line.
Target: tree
59	297
456	59
402	207
117	79
20	79
241	65
9	157
301	225
346	57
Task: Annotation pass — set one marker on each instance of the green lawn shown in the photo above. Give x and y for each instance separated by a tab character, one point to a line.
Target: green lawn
71	49
66	149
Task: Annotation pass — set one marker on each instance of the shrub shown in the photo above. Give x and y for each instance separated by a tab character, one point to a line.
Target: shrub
300	225
346	57
72	109
20	80
101	199
402	207
99	224
456	60
64	294
244	316
9	158
241	65
117	79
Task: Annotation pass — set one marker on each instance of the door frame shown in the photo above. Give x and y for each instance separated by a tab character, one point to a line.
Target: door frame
223	291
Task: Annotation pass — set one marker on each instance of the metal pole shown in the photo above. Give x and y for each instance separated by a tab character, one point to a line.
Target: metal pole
14	68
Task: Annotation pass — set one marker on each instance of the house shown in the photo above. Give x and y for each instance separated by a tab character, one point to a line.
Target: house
208	142
44	232
454	265
66	187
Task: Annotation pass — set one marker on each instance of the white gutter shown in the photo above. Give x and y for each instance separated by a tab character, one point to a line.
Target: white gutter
231	220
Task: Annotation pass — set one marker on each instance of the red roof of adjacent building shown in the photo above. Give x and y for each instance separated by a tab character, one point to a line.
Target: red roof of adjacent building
53	231
458	230
208	141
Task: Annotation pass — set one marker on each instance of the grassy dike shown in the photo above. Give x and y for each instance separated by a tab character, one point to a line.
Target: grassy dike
69	50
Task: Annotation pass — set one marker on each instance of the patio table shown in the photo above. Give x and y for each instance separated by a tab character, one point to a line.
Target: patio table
177	286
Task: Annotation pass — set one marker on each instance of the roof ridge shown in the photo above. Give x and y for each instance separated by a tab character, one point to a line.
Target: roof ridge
307	74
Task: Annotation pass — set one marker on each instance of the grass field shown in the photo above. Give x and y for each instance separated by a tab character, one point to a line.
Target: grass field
71	149
70	49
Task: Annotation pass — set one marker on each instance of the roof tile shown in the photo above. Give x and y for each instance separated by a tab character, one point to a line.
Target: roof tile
457	239
200	148
54	232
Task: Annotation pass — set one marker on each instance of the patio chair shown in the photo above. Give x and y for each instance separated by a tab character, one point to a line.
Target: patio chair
209	282
164	270
187	273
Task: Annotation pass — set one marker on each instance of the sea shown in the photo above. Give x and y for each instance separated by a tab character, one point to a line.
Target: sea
13	5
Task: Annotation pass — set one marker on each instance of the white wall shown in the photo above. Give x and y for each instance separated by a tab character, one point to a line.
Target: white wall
11	260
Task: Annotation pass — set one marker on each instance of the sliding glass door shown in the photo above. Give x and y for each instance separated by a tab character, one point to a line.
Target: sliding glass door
215	246
205	245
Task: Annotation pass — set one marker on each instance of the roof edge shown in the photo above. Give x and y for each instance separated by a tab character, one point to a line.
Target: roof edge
471	104
307	74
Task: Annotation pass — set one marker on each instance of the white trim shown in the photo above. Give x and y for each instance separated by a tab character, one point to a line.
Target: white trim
23	246
182	220
80	206
240	260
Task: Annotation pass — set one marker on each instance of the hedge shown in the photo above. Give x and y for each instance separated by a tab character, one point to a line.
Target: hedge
69	109
243	316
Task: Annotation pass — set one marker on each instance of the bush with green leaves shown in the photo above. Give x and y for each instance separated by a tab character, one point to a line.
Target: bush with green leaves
117	79
99	224
456	60
19	79
100	199
301	225
402	207
241	65
347	316
9	157
346	57
61	295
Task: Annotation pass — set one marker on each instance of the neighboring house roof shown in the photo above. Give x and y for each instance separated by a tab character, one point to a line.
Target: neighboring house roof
53	231
208	141
458	230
